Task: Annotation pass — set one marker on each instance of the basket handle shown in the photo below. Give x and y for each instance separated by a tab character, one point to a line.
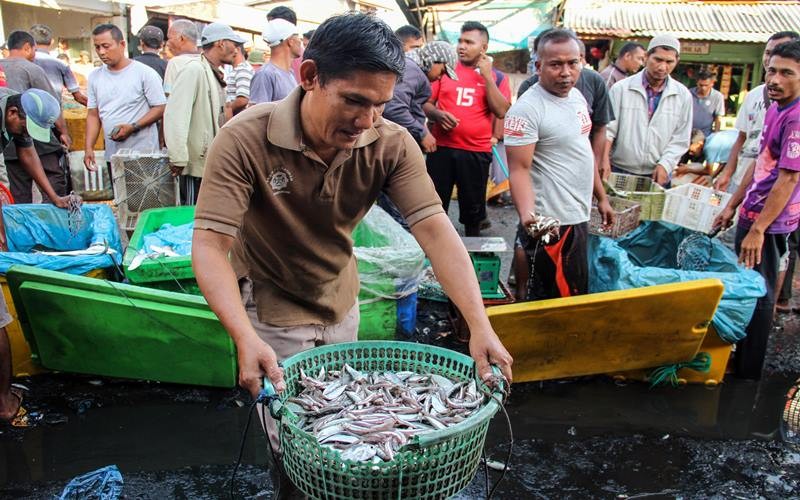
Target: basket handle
269	397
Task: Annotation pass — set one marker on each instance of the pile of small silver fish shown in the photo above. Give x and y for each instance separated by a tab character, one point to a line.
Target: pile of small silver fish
370	416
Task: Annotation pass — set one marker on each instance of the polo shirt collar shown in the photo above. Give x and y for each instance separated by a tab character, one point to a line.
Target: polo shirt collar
284	130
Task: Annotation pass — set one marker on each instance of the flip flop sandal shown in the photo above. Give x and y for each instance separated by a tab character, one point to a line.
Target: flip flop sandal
20	419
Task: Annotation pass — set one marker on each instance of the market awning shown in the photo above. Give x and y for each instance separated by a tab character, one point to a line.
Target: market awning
728	21
510	22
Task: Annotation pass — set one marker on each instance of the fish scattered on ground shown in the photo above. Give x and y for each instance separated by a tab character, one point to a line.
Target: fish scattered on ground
370	416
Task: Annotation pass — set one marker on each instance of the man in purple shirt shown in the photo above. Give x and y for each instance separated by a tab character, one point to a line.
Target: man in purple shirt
770	199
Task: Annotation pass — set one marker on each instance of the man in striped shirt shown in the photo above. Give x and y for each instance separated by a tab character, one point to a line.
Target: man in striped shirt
237	83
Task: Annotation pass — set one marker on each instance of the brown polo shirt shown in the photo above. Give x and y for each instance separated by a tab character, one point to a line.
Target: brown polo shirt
293	215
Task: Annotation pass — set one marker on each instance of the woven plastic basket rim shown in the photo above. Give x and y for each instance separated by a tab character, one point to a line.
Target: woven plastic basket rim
476	419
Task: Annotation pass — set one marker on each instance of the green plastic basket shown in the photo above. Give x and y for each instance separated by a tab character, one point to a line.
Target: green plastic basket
436	464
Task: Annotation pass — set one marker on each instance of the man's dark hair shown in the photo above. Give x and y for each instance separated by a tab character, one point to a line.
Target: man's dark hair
42	34
116	33
18	39
15	100
308	34
408	32
556	35
475	26
788	50
705	74
792	35
355	42
282	12
629	47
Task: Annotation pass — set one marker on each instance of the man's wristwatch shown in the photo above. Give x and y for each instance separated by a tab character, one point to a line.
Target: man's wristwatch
136	127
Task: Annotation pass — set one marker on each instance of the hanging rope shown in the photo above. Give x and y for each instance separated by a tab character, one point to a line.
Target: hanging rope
668	374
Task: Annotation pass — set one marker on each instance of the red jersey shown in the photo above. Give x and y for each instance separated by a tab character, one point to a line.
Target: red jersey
466	100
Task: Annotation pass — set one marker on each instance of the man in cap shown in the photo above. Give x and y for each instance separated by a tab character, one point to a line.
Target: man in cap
23	74
182	37
23	117
126	97
275	80
59	74
423	66
286	185
653	112
151	39
26	117
194	110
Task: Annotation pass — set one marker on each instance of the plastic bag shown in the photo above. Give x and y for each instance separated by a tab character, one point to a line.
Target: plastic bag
46	227
179	238
101	484
390	264
648	256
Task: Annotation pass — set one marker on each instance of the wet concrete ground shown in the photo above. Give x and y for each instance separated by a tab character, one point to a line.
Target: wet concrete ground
583	438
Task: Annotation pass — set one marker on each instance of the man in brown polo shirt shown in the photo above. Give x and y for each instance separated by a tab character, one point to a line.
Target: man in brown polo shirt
286	183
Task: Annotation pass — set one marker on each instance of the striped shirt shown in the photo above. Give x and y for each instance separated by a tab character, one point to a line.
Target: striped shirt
238	81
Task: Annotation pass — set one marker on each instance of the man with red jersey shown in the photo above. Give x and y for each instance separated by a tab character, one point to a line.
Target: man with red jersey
463	113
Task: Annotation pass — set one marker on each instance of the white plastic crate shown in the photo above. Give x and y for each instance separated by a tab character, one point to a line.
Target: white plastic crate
694	207
91	186
142	181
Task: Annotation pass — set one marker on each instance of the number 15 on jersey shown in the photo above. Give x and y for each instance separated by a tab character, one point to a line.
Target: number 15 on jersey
465	97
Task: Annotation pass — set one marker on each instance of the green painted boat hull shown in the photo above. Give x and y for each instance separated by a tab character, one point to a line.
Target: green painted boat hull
87	325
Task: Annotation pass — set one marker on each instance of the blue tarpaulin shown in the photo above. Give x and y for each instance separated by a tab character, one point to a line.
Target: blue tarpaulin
648	256
45	227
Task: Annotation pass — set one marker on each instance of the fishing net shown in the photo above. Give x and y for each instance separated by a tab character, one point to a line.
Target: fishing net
74	213
694	252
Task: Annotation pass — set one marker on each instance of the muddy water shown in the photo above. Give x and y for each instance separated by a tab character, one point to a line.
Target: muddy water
582	438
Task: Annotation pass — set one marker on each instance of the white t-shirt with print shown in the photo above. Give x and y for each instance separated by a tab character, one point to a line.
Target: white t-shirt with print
563	162
750	120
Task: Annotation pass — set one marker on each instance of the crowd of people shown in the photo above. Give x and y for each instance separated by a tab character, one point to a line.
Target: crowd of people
357	113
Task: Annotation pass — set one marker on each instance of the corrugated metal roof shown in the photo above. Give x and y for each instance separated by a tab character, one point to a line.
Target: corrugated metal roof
691	20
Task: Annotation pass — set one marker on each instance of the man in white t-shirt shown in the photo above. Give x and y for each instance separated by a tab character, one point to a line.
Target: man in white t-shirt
125	97
553	173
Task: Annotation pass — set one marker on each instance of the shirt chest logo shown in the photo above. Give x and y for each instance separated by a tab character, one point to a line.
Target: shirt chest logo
586	122
279	181
794	150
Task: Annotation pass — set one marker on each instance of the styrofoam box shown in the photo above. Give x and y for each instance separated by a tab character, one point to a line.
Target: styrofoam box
694	207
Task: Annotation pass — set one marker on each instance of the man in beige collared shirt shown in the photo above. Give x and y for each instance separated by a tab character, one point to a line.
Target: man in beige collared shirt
284	187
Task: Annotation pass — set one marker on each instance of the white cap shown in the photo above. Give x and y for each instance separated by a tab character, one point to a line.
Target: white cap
665	40
277	31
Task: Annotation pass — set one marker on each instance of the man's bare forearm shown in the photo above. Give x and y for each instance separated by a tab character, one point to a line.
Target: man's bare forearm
153	115
217	282
92	129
